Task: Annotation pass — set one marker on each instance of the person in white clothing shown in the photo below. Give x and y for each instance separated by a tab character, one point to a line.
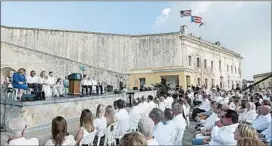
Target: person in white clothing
263	121
122	119
186	109
60	136
16	131
162	104
168	101
33	81
250	114
204	106
43	82
51	82
59	88
225	134
90	85
144	106
94	85
150	102
86	125
134	116
146	127
179	120
84	85
100	123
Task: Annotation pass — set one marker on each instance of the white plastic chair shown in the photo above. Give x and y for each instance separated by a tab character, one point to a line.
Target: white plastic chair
101	133
88	139
110	135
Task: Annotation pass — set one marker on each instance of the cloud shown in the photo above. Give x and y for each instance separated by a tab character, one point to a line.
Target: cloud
163	17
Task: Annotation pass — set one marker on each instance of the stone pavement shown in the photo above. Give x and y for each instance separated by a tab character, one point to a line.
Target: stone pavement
189	134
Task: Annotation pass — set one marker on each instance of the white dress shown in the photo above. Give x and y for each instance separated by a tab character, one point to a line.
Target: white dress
186	113
68	140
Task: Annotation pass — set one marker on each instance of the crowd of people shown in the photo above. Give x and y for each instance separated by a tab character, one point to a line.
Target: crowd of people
46	84
223	118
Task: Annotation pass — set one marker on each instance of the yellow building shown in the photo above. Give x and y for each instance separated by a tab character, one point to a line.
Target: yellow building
174	75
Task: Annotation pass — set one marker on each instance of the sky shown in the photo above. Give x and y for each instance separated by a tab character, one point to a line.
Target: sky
243	27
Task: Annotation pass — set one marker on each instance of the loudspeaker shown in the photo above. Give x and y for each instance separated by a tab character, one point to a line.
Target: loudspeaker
109	88
135	88
29	97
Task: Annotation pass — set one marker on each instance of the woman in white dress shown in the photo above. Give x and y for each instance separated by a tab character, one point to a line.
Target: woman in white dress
100	123
60	136
86	125
43	80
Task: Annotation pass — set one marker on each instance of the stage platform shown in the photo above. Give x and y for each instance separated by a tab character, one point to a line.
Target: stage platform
39	114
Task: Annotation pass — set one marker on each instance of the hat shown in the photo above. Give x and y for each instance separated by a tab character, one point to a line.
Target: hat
16	125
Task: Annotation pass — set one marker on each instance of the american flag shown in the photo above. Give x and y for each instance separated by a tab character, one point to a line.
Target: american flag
196	19
184	13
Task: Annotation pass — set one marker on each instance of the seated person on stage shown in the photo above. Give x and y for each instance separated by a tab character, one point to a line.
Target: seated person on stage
59	88
84	85
8	81
46	87
90	85
33	81
94	85
262	122
19	82
16	131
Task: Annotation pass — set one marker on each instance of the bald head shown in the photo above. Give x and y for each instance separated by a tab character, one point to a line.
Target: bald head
146	126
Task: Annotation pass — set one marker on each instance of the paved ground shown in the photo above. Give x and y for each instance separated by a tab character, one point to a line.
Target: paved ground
189	134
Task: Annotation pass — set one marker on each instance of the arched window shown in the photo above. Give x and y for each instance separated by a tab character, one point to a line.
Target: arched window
227	68
206	83
235	70
190	60
211	64
205	64
219	65
197	62
231	69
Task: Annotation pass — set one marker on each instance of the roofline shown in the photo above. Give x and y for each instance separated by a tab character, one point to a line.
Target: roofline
88	32
262	74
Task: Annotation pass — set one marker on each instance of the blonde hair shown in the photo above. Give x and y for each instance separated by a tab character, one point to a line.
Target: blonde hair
109	114
133	139
250	142
86	120
246	130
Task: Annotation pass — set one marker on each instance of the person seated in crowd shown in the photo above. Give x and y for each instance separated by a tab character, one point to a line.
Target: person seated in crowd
266	135
109	114
262	122
144	106
162	132
179	118
225	135
123	118
134	115
8	81
186	109
60	135
58	88
161	103
246	141
245	130
100	123
250	114
84	85
150	102
115	106
86	125
133	139
16	131
198	98
19	82
168	101
146	127
33	81
235	104
201	117
205	106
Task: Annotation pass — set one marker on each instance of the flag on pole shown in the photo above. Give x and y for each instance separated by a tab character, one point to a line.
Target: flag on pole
196	19
185	13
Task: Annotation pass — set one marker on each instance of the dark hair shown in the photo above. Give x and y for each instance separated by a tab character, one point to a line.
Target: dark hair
150	97
168	114
32	71
86	120
175	96
50	72
233	115
219	106
115	104
84	76
59	130
120	104
58	80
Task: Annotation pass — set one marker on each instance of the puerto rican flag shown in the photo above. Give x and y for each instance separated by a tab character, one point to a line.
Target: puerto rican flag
196	19
184	13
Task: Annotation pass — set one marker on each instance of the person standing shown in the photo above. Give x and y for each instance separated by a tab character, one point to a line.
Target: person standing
95	85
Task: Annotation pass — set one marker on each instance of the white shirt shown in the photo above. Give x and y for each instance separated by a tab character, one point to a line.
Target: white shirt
248	116
163	133
94	82
24	141
42	80
224	136
267	133
85	82
168	101
162	105
123	121
32	80
90	83
210	121
152	142
144	107
134	117
151	105
180	121
205	105
262	122
68	140
232	106
51	80
100	123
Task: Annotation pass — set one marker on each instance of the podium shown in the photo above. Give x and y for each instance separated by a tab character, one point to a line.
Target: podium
74	83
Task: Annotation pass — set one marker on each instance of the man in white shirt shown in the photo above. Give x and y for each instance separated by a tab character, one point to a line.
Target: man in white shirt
33	81
210	121
90	85
204	106
16	132
163	132
144	106
134	115
263	121
151	102
225	134
122	118
180	121
52	82
95	85
168	101
84	85
162	104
